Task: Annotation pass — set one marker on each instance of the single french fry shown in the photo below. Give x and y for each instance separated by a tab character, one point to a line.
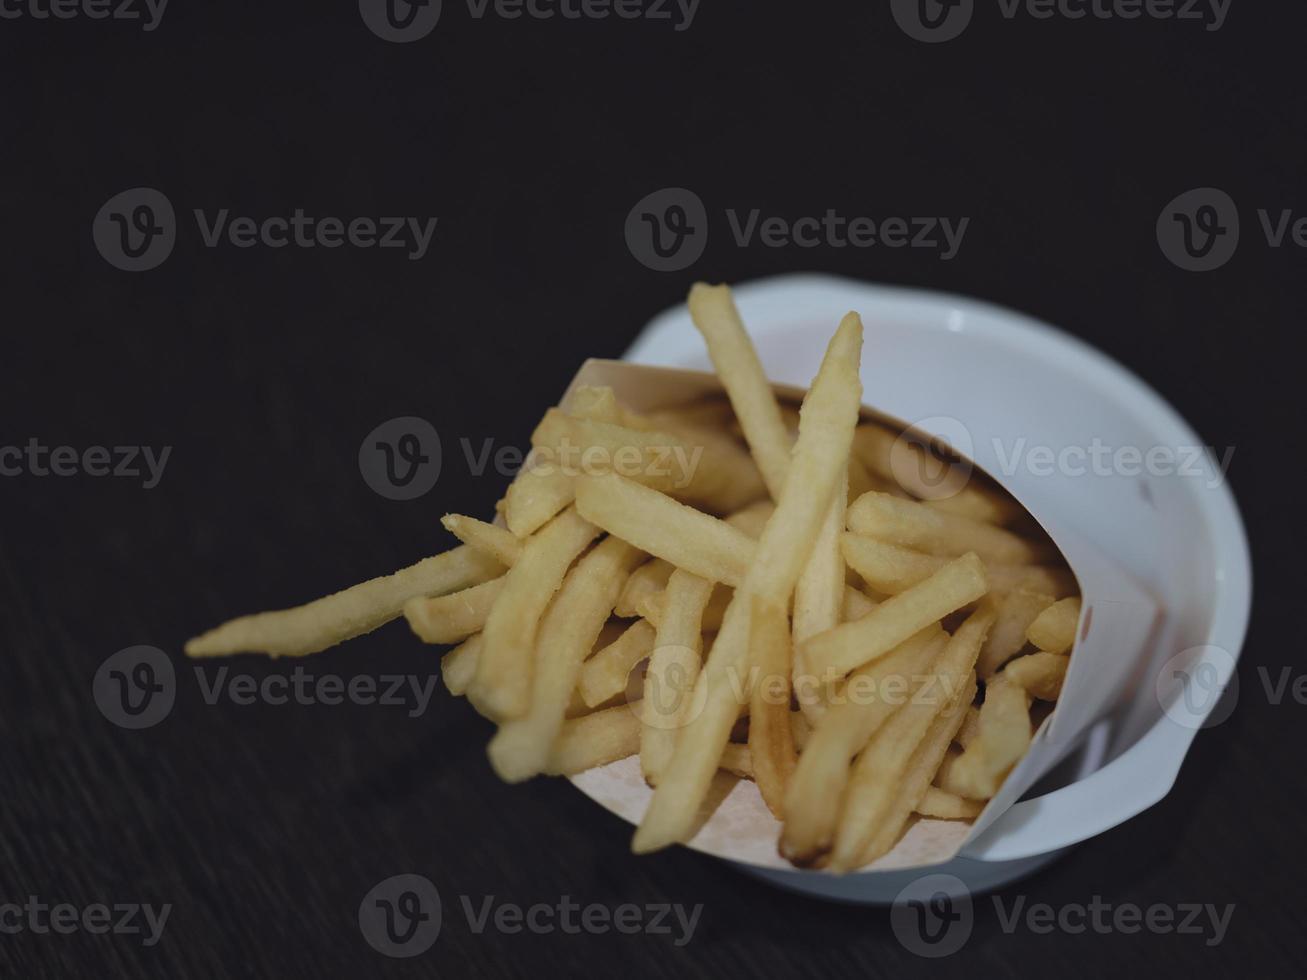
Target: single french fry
850	645
344	615
1039	674
869	800
459	665
1002	737
948	806
914	784
520	749
607	673
827	419
673	669
737	760
819	593
712	308
1054	631
771	740
867	700
889	569
594	740
497	542
453	618
654	522
911	524
649	579
1014	611
503	678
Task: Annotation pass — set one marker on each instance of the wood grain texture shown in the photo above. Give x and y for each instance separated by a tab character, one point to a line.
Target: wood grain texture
263	825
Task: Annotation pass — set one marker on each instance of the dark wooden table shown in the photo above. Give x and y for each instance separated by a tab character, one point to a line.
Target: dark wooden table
263	826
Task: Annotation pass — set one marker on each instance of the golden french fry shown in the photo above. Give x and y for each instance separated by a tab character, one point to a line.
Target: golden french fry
459	665
869	806
607	673
497	542
344	615
1054	631
654	522
1039	674
713	311
672	672
827	419
520	749
850	645
890	569
914	784
1014	611
1002	737
948	806
453	618
911	524
594	740
819	594
649	579
503	678
867	700
771	740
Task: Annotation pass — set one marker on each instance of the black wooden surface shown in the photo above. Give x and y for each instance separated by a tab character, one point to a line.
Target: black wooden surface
264	826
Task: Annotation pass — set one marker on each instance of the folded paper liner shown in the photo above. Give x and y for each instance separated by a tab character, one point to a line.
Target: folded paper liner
1115	621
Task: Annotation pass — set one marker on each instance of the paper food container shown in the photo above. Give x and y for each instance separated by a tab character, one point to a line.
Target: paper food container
1158	550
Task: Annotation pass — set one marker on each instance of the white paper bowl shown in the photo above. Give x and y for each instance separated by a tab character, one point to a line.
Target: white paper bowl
931	356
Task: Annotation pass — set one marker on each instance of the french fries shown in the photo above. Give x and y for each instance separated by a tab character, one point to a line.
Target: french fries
850	645
452	618
818	599
607	673
503	678
344	615
713	311
771	739
520	749
827	419
1054	630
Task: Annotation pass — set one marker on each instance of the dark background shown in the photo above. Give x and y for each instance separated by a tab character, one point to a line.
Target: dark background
531	140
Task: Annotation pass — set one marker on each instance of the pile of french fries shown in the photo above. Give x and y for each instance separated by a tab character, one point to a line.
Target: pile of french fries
803	598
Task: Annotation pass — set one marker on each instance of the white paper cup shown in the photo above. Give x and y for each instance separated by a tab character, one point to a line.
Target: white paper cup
1160	554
